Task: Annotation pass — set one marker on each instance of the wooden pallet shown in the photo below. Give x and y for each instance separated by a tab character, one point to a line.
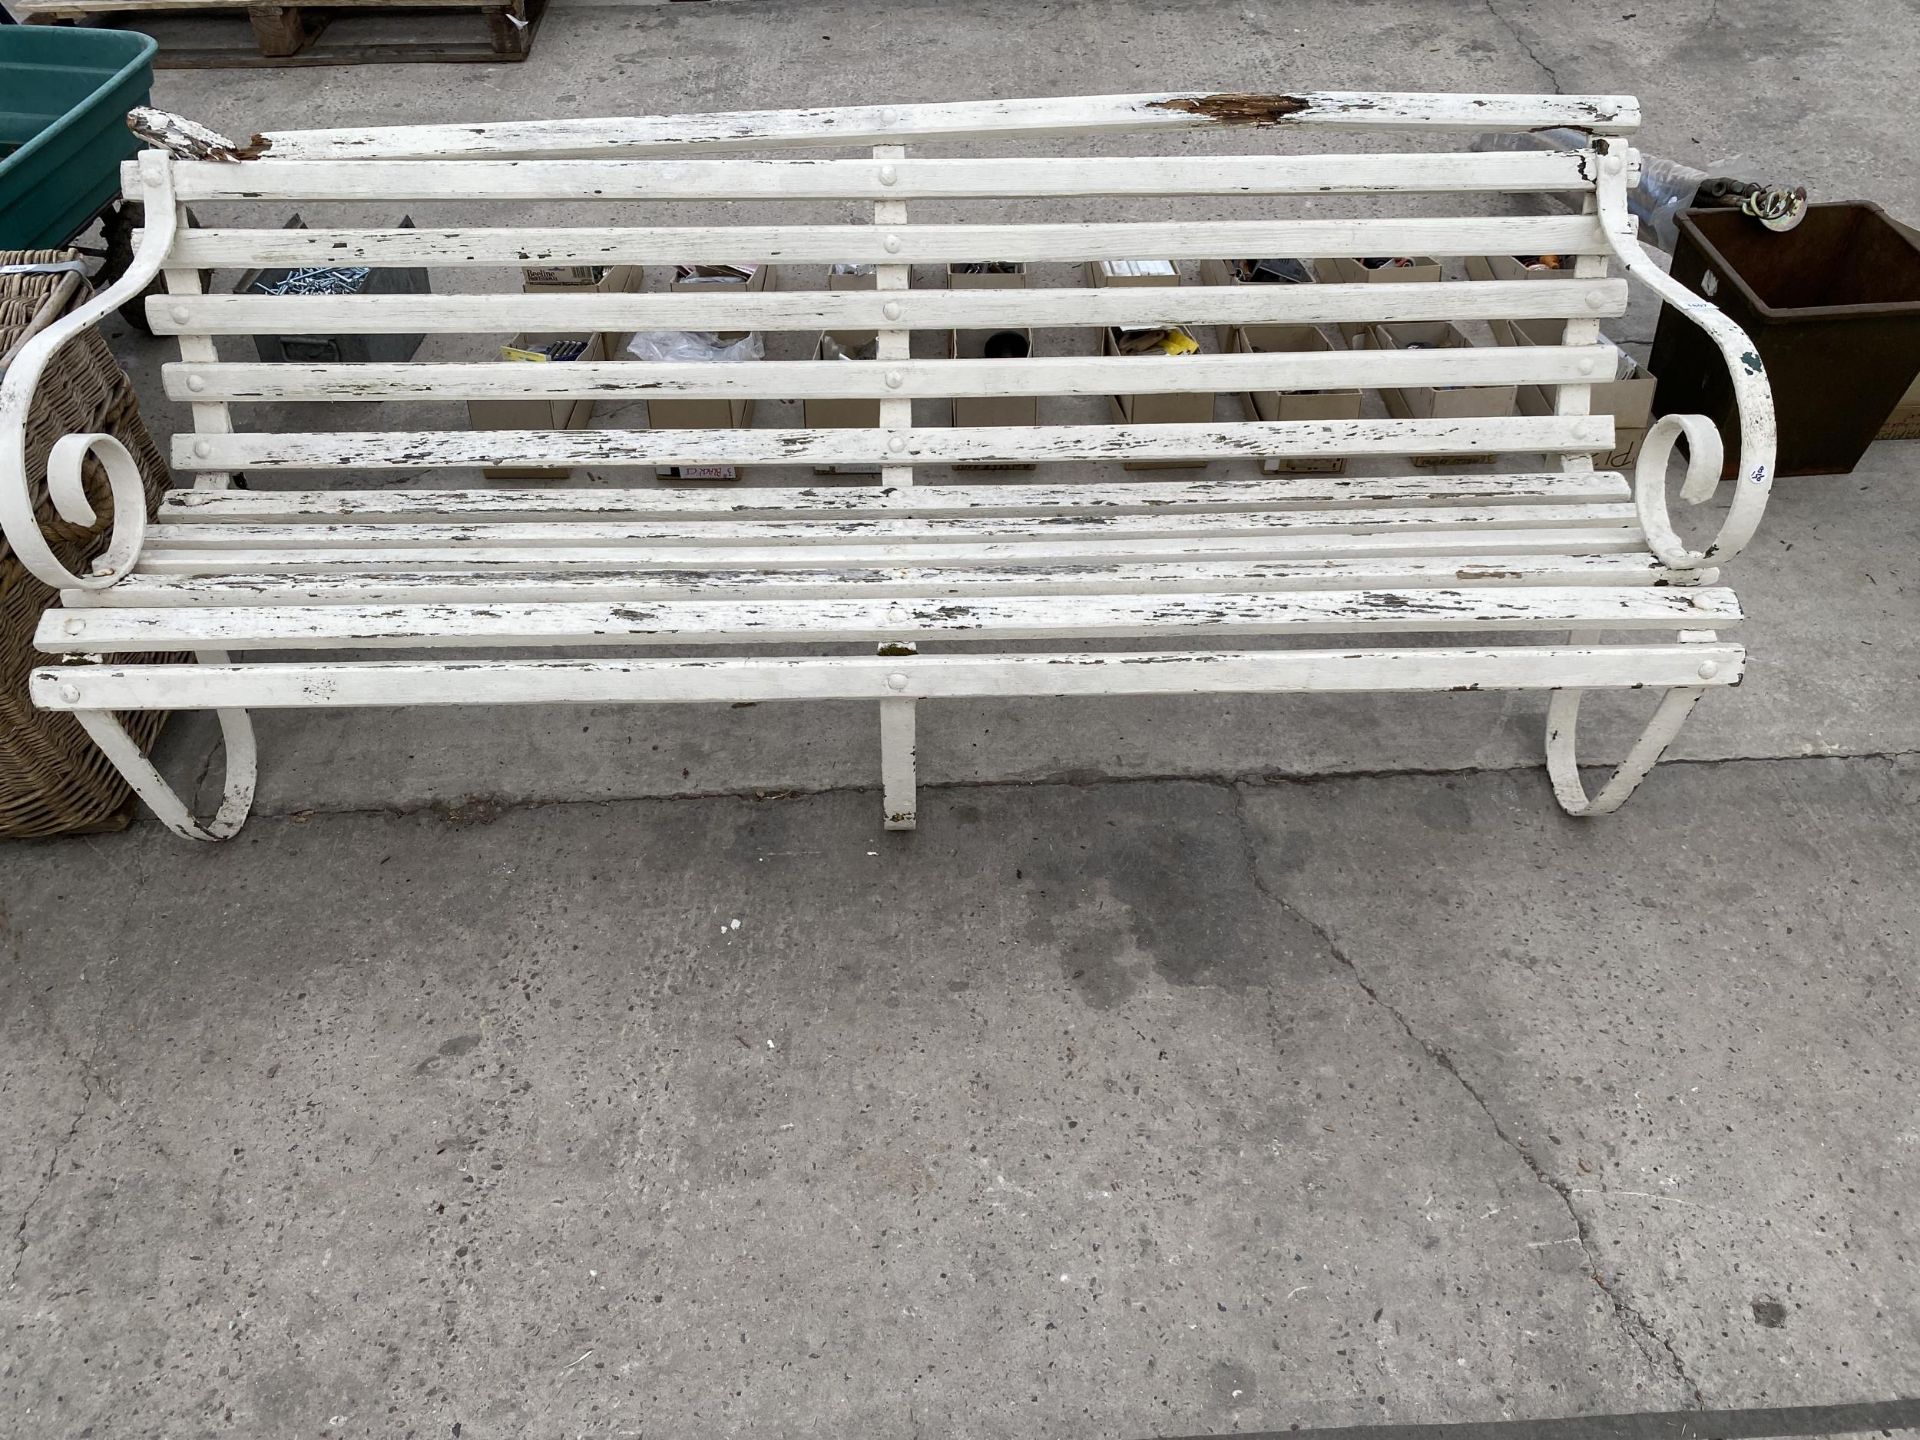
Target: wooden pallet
286	34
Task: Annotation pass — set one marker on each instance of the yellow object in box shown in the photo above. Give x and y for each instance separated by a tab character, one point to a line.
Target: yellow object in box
535	413
1178	408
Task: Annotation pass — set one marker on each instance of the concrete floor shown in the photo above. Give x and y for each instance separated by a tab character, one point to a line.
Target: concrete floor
1173	1078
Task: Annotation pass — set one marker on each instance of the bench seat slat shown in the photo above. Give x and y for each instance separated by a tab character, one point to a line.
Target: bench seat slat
965	120
627	681
895	244
629	449
874	579
1011	177
1069	618
775	502
1038	552
812	310
893	379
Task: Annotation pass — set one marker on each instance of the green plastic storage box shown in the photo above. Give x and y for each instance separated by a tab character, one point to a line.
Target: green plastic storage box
64	97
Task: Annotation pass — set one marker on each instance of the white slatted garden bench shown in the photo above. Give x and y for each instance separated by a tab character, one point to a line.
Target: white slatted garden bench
1560	579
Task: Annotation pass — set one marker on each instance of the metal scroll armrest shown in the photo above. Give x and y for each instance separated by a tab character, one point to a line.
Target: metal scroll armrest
1753	398
66	462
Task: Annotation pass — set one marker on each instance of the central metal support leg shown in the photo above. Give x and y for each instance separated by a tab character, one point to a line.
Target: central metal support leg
897	722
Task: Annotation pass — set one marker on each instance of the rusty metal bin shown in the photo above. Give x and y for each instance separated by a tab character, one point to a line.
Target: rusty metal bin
1833	307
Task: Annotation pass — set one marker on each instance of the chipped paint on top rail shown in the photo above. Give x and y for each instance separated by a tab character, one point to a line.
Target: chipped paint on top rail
965	120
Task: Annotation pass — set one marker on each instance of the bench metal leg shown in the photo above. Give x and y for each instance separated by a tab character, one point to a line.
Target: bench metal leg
1563	713
897	722
236	732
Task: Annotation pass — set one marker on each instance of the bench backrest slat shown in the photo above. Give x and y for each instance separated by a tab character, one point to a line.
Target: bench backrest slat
813	310
888	379
901	245
1519	172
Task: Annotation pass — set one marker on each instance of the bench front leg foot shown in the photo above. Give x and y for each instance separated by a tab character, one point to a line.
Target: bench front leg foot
897	724
237	734
1563	713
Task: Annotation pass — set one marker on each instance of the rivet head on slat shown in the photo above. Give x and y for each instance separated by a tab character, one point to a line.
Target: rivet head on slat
897	444
75	625
891	309
1614	164
888	175
1586	367
892	244
152	178
71	693
895	379
1596	299
203	448
895	681
179	314
196	383
887	117
1708	669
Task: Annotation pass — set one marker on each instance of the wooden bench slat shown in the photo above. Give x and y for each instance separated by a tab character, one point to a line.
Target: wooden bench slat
775	502
1010	177
897	379
627	449
813	310
1039	552
894	244
863	621
622	681
964	120
874	579
886	529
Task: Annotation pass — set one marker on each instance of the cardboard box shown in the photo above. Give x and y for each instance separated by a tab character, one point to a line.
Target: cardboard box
763	279
1175	409
837	280
716	413
998	410
1518	332
588	280
1296	404
1015	279
1220	272
536	414
1429	402
1343	270
1099	278
841	414
1629	402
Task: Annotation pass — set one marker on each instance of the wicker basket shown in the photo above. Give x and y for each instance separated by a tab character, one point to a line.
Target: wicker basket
53	781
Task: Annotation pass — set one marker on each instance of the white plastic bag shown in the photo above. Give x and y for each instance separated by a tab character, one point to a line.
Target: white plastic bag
696	346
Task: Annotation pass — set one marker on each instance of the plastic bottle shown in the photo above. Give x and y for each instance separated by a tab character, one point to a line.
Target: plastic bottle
1666	187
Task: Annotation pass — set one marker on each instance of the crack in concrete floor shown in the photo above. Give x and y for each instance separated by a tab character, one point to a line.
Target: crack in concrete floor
1658	1349
89	1087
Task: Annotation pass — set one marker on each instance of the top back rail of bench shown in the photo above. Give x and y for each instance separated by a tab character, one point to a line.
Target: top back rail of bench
1048	118
639	160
